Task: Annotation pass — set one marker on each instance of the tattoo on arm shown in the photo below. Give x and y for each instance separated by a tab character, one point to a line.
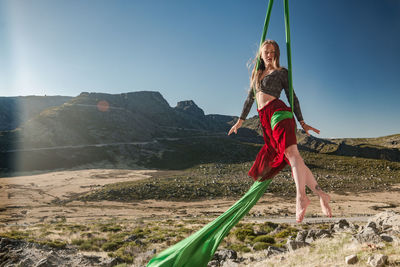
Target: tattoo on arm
318	188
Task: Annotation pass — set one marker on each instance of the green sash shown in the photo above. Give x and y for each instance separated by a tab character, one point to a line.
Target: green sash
280	115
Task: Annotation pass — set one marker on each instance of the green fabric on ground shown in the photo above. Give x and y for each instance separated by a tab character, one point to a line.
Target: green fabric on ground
198	249
280	115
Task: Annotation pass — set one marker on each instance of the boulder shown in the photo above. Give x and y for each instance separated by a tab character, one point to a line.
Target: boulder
112	262
213	263
368	235
43	263
272	251
301	236
342	225
131	238
224	254
387	238
352	259
387	220
292	245
230	263
377	260
313	235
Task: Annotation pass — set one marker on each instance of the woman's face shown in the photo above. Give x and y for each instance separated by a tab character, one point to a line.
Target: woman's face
268	54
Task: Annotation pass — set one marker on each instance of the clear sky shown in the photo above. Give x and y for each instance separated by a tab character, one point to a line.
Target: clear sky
345	54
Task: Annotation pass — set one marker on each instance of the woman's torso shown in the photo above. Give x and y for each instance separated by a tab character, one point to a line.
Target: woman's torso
264	98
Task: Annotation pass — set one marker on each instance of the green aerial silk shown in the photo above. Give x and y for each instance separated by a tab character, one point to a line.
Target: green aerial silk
288	49
289	55
279	116
264	34
198	249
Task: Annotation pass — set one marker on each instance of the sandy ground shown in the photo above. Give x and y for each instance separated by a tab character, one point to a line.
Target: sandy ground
29	200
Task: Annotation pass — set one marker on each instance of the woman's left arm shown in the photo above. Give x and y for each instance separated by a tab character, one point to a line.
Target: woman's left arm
307	128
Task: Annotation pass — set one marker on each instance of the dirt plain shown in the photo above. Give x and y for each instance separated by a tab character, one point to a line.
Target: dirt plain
39	198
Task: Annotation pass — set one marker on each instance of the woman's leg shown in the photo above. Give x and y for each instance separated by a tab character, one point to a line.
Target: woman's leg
302	177
324	198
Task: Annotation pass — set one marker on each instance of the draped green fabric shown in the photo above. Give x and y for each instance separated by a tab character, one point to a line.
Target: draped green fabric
198	249
279	116
288	51
264	34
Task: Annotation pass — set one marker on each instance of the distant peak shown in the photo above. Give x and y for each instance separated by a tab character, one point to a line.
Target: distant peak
189	107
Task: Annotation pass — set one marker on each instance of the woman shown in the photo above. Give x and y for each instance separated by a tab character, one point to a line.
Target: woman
279	129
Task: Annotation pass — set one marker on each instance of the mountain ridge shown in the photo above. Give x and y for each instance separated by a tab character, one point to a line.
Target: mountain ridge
143	128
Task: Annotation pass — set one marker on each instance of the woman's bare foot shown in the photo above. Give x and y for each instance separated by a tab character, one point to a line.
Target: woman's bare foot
301	206
324	200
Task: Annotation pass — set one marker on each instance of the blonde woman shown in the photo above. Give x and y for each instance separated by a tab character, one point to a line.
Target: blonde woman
278	126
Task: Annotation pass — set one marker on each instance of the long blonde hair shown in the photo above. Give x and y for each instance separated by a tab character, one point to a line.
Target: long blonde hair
255	77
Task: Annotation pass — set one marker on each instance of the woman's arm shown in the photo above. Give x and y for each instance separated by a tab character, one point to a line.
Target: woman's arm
247	105
246	109
235	127
307	128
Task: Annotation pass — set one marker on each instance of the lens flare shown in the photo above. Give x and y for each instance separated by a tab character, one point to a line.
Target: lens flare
103	106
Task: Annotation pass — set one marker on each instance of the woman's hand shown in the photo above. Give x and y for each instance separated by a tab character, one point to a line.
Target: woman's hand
307	128
235	127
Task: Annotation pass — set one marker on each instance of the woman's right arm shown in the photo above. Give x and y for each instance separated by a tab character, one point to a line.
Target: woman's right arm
247	105
246	109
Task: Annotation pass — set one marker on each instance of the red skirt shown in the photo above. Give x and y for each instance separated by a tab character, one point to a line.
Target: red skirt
271	159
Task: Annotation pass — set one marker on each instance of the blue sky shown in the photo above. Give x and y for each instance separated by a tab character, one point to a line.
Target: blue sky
345	54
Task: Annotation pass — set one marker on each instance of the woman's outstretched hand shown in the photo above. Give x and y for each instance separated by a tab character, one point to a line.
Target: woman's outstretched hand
307	128
235	127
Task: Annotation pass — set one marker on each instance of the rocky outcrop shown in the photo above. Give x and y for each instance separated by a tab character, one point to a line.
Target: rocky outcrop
377	260
343	225
190	108
387	221
22	253
292	245
382	227
368	234
224	257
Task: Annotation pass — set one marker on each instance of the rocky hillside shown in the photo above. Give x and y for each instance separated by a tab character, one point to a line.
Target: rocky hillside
94	126
95	118
386	147
16	110
341	243
142	128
